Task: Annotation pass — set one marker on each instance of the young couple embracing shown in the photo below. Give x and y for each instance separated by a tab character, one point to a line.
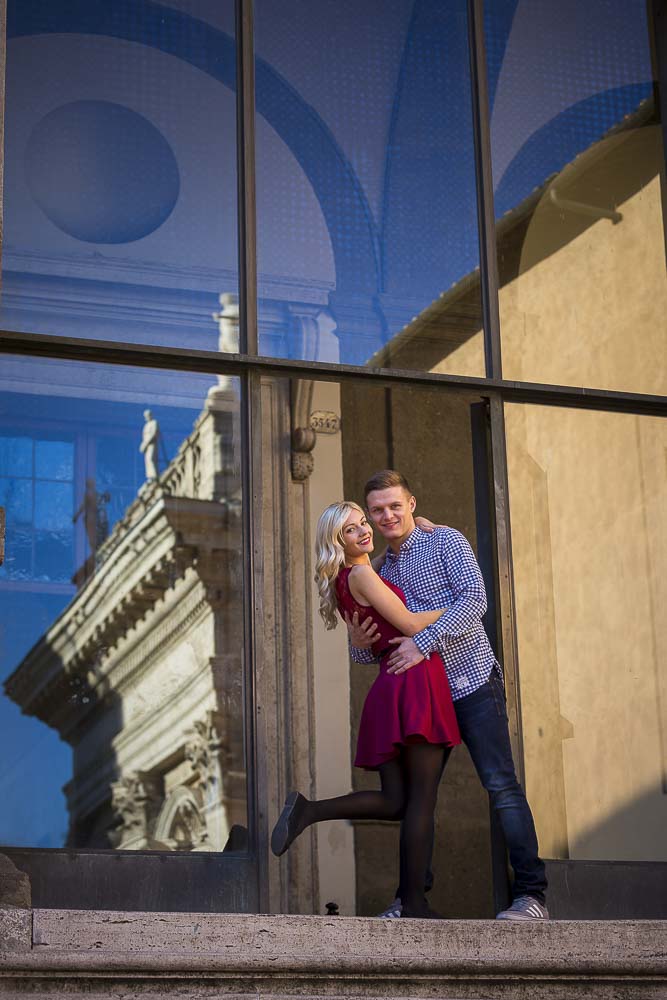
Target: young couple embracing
419	615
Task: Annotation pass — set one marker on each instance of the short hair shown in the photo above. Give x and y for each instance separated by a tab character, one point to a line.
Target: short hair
386	479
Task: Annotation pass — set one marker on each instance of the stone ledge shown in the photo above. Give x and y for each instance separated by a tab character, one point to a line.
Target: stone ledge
15	930
179	954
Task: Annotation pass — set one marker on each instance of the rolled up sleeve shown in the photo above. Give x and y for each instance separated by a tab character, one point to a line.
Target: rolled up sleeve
467	586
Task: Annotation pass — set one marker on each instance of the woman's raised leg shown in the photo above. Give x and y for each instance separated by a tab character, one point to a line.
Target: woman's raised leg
388	802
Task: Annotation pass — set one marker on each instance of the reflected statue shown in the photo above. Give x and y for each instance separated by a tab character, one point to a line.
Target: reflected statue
149	444
228	343
94	513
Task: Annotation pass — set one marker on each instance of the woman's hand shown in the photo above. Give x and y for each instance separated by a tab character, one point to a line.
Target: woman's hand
363	635
426	525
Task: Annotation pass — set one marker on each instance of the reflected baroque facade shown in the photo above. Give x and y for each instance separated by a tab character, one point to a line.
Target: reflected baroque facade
141	673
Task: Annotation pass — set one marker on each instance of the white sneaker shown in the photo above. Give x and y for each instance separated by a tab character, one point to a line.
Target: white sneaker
525	908
393	911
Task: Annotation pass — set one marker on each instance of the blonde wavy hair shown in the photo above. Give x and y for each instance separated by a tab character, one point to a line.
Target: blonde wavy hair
330	555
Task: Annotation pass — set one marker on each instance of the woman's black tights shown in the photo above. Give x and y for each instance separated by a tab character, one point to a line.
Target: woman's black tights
409	791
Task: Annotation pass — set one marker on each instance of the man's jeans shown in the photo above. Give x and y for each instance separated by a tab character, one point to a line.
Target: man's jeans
482	718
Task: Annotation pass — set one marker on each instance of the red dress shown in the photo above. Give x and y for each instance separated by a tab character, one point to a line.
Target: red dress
413	707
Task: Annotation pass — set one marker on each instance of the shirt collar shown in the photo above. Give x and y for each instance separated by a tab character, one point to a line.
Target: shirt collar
405	546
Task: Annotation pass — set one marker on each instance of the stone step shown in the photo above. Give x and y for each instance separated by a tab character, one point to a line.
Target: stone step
65	953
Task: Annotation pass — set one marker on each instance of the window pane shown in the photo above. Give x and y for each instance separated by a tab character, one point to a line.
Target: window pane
120	176
18	564
588	496
114	466
16	498
15	456
54	459
121	646
367	220
578	158
54	535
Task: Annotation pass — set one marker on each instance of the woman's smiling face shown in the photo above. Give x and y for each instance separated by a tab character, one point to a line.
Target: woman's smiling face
357	538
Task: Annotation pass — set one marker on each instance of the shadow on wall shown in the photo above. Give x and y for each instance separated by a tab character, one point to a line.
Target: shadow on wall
614	838
586	887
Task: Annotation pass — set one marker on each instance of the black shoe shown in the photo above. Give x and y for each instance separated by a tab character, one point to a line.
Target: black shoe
287	827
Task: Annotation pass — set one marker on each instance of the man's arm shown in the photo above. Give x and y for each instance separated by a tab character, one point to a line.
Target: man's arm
467	584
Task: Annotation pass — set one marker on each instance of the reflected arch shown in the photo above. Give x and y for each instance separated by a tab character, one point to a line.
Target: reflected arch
211	50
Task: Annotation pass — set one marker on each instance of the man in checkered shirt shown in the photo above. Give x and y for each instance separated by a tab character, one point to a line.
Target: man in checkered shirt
438	569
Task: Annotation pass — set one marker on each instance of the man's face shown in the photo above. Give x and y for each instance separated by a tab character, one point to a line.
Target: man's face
391	512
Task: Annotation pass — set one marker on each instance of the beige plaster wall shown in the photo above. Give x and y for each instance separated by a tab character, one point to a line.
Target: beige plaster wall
588	495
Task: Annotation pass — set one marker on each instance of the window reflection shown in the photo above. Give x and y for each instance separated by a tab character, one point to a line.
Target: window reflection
578	159
121	610
119	169
366	183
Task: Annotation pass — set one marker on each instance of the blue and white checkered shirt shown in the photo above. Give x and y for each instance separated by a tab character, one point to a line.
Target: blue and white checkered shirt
438	569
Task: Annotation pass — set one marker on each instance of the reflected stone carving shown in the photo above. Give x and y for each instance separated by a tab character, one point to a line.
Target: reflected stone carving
181	825
136	801
203	750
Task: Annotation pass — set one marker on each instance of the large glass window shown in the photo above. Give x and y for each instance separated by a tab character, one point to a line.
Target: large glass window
367	219
121	645
588	496
578	169
120	169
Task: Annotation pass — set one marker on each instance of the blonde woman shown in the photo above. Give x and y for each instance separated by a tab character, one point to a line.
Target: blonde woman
408	725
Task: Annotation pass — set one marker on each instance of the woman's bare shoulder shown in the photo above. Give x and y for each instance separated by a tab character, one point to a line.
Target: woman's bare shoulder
362	569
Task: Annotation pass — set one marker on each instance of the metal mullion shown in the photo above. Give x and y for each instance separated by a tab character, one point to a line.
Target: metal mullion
245	159
488	259
215	363
250	422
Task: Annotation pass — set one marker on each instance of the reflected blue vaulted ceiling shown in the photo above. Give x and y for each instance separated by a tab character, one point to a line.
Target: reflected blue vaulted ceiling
426	236
122	173
429	234
212	50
